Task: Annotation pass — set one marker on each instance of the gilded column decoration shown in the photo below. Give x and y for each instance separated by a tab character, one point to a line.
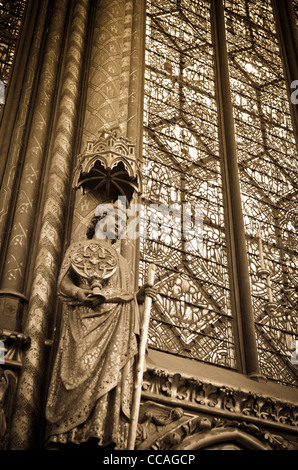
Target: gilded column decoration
115	68
50	244
28	193
14	156
126	67
102	100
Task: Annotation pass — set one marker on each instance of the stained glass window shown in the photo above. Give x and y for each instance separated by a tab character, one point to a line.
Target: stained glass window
269	174
11	18
182	174
183	226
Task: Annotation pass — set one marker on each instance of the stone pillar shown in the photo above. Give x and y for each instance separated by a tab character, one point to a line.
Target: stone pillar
12	153
16	111
50	241
102	95
28	197
114	95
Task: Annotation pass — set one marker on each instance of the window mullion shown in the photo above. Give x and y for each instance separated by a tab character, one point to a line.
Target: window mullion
238	254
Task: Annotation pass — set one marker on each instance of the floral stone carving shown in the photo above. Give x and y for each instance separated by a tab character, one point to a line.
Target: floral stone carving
224	401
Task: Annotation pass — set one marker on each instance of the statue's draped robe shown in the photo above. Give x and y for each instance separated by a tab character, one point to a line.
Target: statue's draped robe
91	386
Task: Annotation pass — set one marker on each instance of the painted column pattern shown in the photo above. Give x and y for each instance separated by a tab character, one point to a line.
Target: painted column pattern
27	201
15	151
114	98
50	246
102	103
126	66
131	102
135	102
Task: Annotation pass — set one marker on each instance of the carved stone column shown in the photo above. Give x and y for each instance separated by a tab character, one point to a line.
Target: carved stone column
102	95
114	96
17	110
50	243
27	203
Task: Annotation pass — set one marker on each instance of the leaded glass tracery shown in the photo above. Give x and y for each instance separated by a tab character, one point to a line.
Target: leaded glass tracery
192	315
11	19
268	172
182	166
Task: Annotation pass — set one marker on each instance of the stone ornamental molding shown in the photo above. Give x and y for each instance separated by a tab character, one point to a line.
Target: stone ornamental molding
200	396
109	164
164	428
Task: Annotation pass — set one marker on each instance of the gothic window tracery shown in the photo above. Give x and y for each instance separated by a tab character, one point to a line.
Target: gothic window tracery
268	173
193	316
11	19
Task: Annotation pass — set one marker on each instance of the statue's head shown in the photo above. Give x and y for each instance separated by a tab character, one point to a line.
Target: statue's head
109	222
91	227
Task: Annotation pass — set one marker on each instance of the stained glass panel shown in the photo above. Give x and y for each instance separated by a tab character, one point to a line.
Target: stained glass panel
183	225
11	18
269	175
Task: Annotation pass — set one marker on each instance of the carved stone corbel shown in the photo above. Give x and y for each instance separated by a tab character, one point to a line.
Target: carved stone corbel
12	344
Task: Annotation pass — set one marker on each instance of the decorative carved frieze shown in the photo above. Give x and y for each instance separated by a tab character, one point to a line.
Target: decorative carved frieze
167	428
196	394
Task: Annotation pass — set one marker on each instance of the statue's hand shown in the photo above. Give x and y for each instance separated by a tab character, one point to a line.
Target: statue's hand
151	292
146	289
87	298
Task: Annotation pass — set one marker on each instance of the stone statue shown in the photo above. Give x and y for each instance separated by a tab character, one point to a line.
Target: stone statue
90	392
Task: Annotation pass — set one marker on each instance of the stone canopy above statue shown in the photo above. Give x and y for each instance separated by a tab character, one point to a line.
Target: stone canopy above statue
109	165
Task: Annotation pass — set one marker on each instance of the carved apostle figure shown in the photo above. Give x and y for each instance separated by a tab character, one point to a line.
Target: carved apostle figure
90	391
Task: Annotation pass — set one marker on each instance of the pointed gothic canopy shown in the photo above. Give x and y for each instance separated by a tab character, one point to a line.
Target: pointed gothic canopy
109	165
